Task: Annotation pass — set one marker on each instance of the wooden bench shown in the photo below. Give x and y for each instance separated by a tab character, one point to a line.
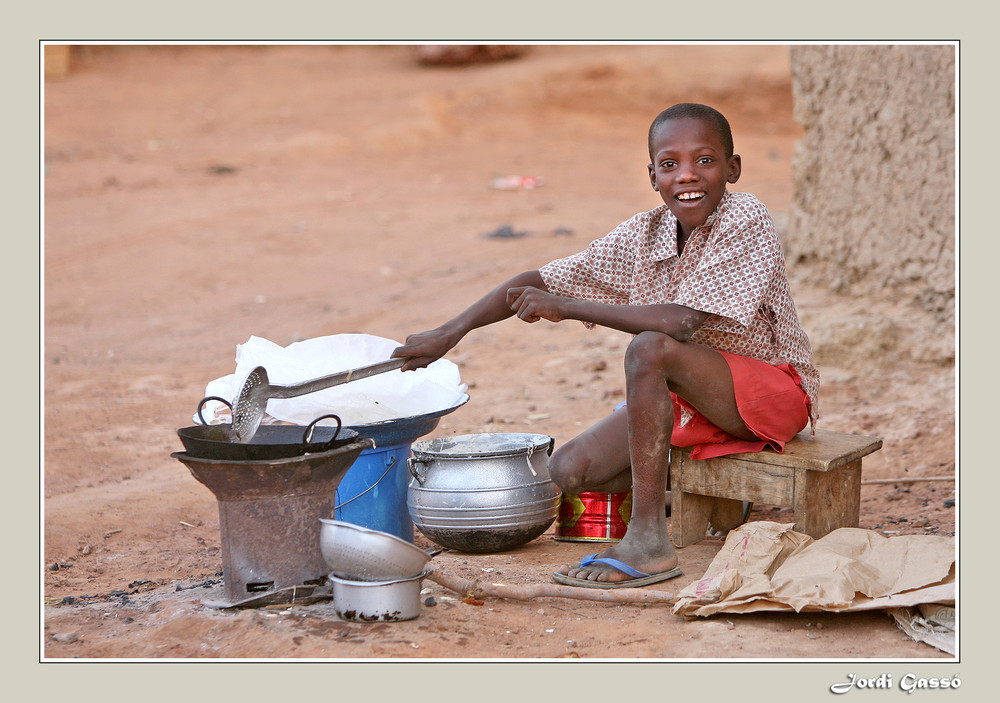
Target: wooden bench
819	479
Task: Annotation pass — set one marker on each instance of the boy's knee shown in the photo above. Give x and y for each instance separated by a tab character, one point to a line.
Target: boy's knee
567	469
649	350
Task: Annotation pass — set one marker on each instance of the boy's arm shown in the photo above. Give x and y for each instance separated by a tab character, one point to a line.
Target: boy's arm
532	304
426	347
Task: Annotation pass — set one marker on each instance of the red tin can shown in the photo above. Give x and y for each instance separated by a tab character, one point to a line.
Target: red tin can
593	517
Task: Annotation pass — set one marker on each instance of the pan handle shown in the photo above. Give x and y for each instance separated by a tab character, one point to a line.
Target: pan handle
307	435
334	379
201	405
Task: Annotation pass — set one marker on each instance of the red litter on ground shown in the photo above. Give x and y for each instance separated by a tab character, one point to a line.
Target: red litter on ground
517	182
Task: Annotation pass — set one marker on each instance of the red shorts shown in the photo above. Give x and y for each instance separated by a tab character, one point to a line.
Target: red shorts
770	400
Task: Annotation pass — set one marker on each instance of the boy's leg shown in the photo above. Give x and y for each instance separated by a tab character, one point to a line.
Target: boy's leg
596	459
656	364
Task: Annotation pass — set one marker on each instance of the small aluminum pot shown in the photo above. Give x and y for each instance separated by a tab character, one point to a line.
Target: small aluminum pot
377	601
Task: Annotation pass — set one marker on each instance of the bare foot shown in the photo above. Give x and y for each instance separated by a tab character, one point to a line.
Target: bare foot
652	560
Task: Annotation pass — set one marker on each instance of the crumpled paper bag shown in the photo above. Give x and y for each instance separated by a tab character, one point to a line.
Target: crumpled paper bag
930	623
391	395
768	566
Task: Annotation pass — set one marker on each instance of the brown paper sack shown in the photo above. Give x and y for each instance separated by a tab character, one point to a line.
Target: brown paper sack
767	566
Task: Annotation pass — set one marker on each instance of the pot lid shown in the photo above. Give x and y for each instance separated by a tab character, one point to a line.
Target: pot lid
483	445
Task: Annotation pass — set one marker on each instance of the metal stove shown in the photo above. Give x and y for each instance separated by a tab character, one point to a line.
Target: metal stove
269	515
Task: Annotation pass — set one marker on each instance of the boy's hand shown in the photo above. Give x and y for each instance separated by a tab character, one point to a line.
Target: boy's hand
531	304
422	349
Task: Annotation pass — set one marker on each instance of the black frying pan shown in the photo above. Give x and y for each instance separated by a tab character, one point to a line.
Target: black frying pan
269	442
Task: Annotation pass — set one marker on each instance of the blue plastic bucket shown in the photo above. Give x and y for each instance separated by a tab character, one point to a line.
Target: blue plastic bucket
373	491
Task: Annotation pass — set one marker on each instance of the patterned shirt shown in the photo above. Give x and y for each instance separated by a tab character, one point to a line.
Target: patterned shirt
732	267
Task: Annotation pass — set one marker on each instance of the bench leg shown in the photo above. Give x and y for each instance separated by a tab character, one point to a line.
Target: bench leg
689	512
726	514
690	515
827	500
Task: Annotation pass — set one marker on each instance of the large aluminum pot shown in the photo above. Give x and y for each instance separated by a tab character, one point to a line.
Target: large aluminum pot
482	493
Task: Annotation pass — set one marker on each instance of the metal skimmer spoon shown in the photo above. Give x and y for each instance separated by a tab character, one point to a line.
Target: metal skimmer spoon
248	410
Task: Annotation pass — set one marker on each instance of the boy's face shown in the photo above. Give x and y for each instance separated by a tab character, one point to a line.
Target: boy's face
690	169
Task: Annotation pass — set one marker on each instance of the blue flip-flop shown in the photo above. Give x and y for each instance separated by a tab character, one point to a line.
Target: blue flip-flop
639	578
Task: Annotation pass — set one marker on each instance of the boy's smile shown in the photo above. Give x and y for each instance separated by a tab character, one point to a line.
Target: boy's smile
690	170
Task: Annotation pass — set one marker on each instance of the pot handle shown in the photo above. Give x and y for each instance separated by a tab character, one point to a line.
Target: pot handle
307	435
412	463
201	406
531	450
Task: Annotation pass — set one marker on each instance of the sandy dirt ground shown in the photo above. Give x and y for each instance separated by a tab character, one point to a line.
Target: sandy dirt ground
195	196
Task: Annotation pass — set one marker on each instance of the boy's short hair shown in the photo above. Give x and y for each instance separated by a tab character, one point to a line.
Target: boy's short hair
709	115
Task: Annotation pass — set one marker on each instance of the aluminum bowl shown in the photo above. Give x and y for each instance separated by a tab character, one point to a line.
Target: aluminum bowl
359	553
375	601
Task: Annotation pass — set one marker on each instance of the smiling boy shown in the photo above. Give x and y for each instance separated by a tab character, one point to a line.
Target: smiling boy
718	361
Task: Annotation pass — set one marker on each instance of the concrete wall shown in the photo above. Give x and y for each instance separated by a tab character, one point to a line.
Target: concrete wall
874	200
